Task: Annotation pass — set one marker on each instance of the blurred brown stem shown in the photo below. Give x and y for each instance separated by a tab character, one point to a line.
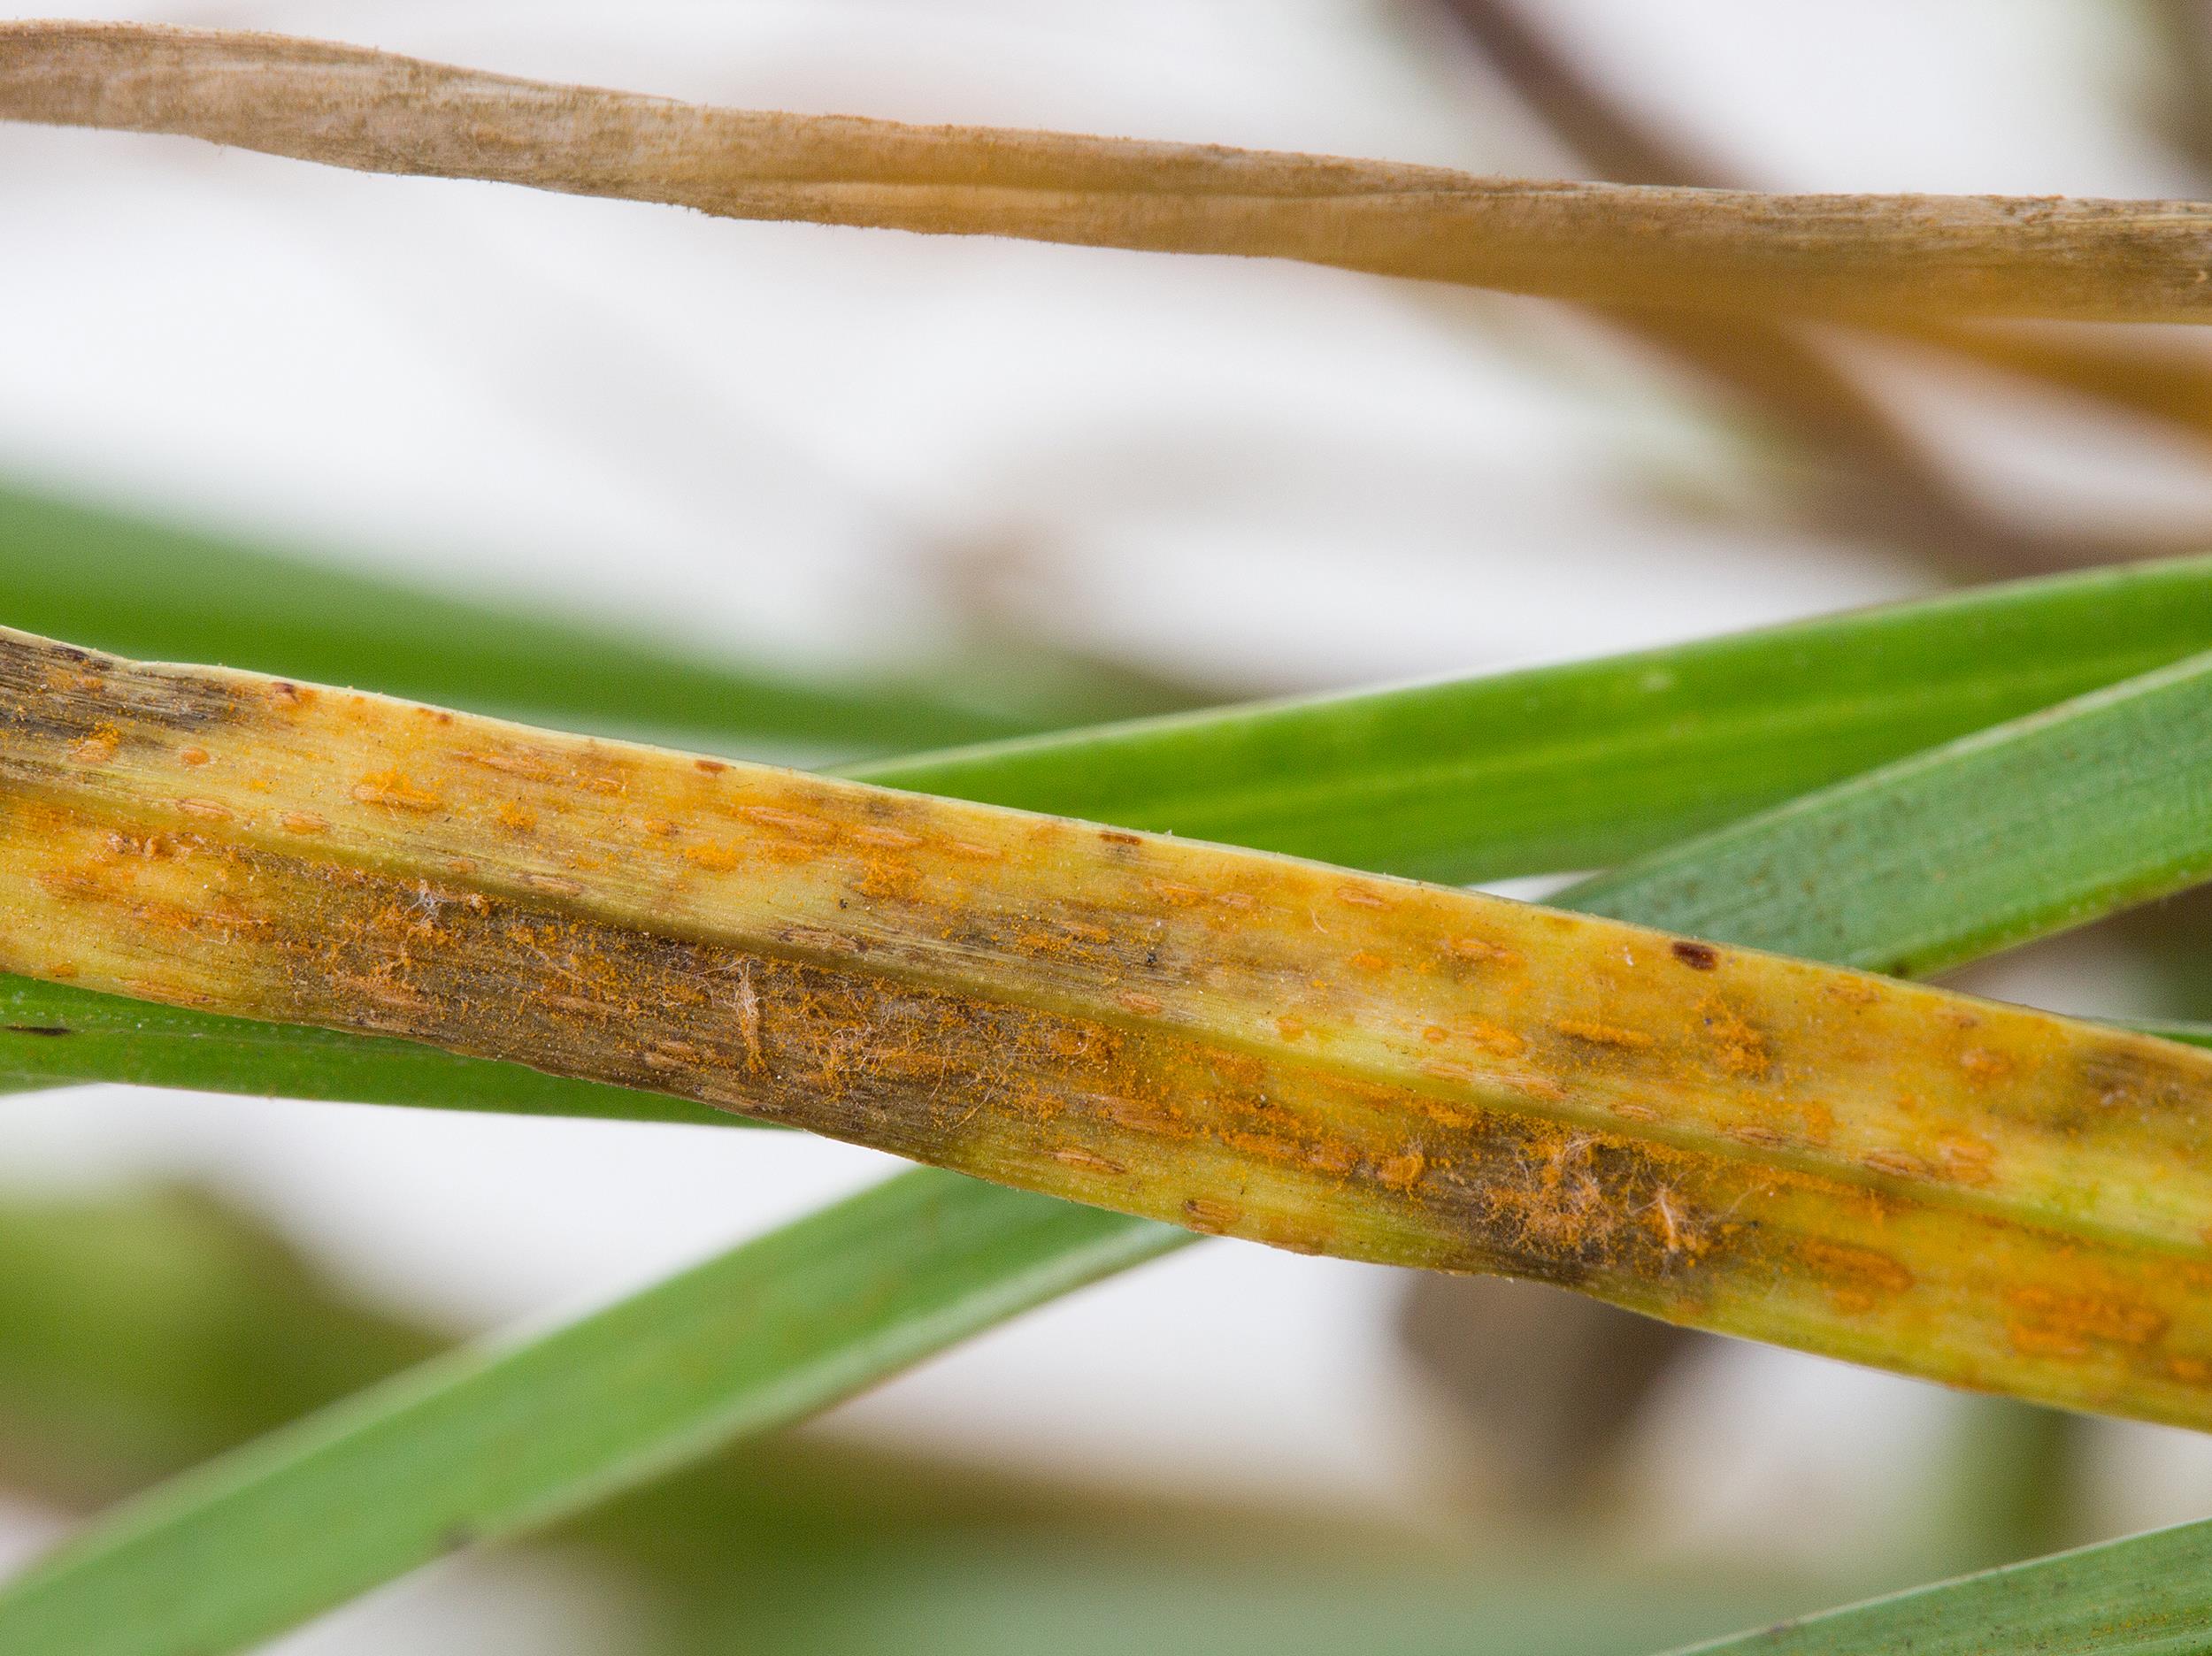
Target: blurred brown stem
1881	483
1876	256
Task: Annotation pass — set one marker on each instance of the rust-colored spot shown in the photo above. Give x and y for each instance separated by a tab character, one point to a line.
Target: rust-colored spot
516	818
1696	956
302	823
720	858
1984	1066
1966	1158
1444	1115
192	755
1362	897
2053	1322
1332	1156
885	839
1896	1164
1858	1278
712	767
1368	961
1436	1034
152	845
1403	1172
1289	1026
970	850
1072	1156
532	767
1117	836
796	824
72	883
1604	1034
1740	1047
1492	1037
1175	894
287	695
1475	948
98	745
391	788
1210	1215
206	810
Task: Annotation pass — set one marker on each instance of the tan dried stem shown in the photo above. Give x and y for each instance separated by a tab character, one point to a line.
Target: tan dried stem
1880	482
1868	256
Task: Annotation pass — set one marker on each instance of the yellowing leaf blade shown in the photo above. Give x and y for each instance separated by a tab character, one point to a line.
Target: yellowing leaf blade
1231	1041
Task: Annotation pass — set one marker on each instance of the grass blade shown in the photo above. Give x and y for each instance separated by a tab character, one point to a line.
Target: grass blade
1583	764
1861	255
141	589
54	1035
2043	780
486	1442
2149	1595
1242	1044
96	1587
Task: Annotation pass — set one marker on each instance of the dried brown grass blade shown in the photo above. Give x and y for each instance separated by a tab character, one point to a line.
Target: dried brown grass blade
1866	256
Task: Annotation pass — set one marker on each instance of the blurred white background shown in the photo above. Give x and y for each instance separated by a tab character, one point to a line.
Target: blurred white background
828	446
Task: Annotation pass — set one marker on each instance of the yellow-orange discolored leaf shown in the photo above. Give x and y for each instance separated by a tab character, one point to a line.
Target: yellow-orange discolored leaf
1241	1043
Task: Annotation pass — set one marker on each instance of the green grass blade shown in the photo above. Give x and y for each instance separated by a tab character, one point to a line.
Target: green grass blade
2168	1029
145	589
146	1328
108	1593
1477	778
2150	1595
1543	760
1918	865
1584	765
485	1443
54	1035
